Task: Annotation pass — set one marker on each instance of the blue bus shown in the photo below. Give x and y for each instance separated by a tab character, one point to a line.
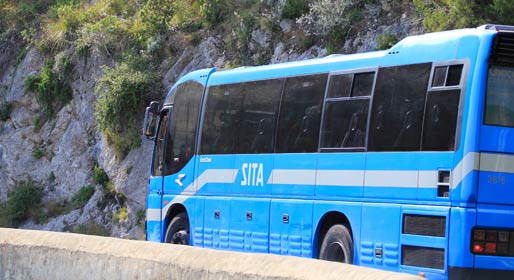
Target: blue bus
400	160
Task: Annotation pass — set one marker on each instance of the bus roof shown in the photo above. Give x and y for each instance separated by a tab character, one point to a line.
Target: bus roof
428	47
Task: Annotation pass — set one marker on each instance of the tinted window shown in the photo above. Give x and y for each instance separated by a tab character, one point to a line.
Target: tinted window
300	111
454	74
398	104
351	85
363	84
181	138
499	108
439	78
346	117
158	155
340	86
241	118
345	124
256	133
447	75
221	119
440	120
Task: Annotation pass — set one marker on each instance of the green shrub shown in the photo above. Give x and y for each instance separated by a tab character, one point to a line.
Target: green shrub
501	11
111	193
81	198
38	152
157	15
21	56
56	208
123	93
91	228
326	15
293	9
121	216
109	35
386	41
22	203
214	11
52	90
5	111
448	14
141	217
62	31
123	142
36	122
20	14
99	176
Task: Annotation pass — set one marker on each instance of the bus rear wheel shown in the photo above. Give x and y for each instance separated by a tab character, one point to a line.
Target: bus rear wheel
337	245
178	230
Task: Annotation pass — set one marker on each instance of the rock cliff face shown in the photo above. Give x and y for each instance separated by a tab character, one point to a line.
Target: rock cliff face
71	145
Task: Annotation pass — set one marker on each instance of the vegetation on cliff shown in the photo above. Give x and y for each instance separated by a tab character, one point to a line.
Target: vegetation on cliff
133	35
138	41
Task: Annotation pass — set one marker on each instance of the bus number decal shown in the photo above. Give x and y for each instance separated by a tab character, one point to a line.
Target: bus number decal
252	174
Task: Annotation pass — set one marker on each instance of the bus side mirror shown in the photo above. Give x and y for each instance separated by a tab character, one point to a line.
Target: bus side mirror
151	116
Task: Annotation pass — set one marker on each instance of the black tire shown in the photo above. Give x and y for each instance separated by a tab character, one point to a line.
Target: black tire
178	230
337	245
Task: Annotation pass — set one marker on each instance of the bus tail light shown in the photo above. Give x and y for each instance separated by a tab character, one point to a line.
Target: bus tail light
492	242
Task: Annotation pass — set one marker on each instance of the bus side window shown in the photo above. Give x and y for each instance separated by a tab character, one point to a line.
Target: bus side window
256	134
346	115
442	108
300	112
440	120
221	119
398	105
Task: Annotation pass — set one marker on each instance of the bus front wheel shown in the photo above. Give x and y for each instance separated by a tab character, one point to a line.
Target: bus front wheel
178	230
337	245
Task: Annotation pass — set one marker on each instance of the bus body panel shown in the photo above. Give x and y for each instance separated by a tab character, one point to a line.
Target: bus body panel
291	227
182	182
431	166
215	174
373	238
340	175
217	222
249	225
462	221
396	179
497	177
153	209
294	175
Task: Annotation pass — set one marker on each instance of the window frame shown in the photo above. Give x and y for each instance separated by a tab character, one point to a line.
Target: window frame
462	87
205	101
279	113
327	99
159	149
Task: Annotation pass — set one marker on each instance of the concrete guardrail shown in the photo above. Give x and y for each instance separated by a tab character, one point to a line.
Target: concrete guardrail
30	254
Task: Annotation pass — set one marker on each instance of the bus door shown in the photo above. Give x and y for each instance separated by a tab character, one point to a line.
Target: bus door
177	166
154	198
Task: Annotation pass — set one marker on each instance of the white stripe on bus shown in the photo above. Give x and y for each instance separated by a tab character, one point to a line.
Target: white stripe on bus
292	177
496	163
353	178
227	176
469	163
